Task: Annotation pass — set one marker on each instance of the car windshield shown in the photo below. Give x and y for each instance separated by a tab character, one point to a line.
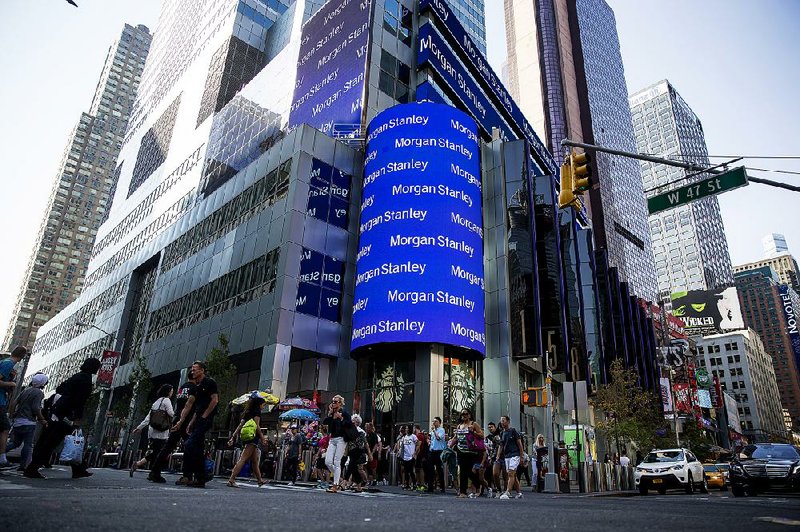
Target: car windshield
710	468
663	456
723	467
766	452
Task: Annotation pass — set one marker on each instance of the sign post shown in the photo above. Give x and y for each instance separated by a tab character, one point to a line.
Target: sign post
709	186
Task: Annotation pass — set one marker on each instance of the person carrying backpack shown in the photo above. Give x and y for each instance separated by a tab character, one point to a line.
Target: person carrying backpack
158	422
249	433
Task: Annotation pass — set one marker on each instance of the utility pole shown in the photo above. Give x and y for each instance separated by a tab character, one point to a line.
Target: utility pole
687	166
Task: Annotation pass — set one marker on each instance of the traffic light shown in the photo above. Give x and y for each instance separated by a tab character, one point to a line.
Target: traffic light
534	397
581	171
566	196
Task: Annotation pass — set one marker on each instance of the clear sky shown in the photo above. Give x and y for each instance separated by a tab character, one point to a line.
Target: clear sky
733	61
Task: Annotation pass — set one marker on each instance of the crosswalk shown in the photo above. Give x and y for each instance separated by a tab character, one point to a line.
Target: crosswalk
286	487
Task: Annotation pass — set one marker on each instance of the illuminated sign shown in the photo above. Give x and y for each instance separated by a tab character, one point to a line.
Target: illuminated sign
420	257
790	313
331	68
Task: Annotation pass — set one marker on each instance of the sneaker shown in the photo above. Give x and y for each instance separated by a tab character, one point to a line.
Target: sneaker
490	493
159	480
519	495
472	496
5	464
183	481
291	483
82	474
505	496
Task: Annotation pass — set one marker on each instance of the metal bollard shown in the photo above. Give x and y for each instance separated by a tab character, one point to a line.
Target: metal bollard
393	476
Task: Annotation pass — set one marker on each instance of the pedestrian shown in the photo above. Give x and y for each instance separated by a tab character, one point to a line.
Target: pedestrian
374	445
523	471
7	386
510	451
248	431
624	461
294	446
421	461
65	416
468	434
358	454
184	404
338	421
438	440
156	436
407	447
320	468
26	411
498	469
205	406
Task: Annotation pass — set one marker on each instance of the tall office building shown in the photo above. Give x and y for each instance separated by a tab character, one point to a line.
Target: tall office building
783	263
774	245
80	198
566	72
768	308
689	242
352	224
744	368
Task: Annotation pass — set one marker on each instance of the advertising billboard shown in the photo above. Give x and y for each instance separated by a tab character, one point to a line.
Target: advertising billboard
419	268
332	65
790	313
708	311
108	365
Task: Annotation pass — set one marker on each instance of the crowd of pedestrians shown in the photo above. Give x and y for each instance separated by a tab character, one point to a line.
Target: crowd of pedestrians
345	452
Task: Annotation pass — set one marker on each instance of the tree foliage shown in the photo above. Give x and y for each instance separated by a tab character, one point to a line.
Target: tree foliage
632	414
220	368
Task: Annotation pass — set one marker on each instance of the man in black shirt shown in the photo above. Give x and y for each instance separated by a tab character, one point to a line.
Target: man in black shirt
205	406
184	403
65	416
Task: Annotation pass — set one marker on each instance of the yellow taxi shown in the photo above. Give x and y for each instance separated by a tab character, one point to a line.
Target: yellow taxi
716	476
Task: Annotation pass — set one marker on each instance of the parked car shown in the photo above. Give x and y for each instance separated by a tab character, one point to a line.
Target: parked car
670	468
765	467
716	476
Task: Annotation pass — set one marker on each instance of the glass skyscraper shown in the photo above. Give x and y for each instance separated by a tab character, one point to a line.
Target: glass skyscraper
566	72
689	243
81	195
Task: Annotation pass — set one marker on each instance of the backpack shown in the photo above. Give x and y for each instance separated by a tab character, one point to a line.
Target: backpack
160	419
248	432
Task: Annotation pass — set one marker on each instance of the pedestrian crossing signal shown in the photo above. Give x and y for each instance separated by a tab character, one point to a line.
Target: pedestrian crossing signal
534	396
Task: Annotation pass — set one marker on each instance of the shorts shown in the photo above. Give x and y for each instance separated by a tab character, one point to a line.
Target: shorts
512	463
420	462
5	423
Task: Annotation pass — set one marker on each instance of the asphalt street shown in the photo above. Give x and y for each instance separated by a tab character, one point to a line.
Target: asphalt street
110	500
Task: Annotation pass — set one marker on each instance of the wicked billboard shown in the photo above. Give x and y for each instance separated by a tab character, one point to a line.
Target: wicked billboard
708	311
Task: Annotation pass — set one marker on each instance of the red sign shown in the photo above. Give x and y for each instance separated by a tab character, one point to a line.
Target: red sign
108	365
676	328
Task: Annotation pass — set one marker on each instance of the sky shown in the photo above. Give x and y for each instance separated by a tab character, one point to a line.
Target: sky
734	62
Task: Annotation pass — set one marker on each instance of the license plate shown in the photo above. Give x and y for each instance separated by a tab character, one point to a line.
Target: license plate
657	481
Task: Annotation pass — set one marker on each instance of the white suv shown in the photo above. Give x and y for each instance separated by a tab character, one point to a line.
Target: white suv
670	468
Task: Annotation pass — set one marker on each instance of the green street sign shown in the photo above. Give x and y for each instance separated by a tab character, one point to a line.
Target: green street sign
707	187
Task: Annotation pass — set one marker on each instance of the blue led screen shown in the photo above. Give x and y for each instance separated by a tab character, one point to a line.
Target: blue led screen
420	256
331	69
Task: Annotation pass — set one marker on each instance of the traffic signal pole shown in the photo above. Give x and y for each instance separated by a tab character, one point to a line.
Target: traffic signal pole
659	160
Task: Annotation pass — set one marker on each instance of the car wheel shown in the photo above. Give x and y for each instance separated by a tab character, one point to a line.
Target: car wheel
704	485
662	491
752	492
689	484
737	491
724	488
642	489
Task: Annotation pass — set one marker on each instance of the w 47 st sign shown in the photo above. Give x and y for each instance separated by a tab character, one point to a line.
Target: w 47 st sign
709	186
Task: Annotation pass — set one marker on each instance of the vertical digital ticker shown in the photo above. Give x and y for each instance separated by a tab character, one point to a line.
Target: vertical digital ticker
420	256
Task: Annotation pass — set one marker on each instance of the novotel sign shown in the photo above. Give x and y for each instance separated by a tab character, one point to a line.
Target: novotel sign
790	313
419	268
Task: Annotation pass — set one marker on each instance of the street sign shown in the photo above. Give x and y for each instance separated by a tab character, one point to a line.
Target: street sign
707	187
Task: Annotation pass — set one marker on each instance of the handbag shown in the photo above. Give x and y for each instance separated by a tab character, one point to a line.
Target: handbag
247	434
475	444
74	443
160	419
349	432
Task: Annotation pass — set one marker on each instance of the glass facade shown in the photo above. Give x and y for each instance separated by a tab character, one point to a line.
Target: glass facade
689	243
80	199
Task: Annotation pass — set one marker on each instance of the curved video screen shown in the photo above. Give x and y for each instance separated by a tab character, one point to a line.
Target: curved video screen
420	256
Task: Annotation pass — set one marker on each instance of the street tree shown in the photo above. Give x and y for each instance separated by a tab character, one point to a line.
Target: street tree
220	368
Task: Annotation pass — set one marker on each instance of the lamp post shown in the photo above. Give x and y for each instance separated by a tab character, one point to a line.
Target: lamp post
100	417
